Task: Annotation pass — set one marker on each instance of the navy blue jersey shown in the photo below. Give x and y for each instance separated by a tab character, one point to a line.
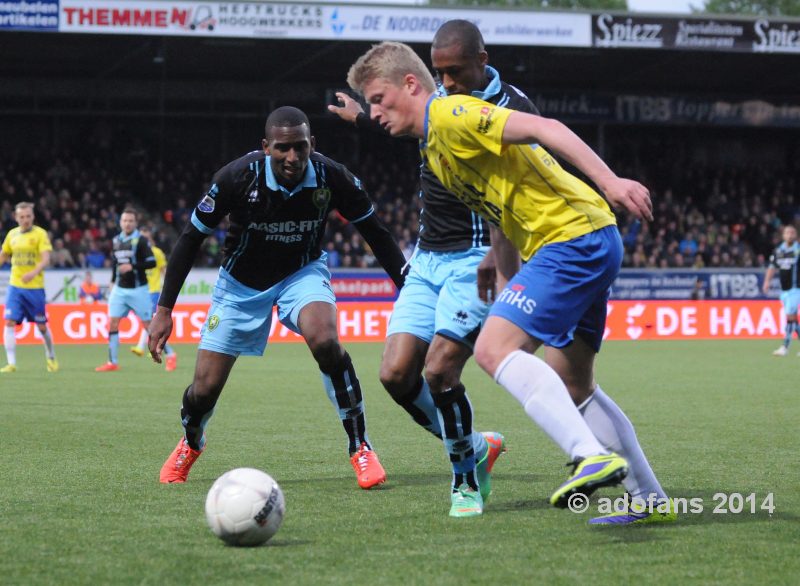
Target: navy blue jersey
135	250
273	231
445	223
787	260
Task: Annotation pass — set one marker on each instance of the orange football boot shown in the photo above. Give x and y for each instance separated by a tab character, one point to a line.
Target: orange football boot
107	367
368	468
176	468
172	362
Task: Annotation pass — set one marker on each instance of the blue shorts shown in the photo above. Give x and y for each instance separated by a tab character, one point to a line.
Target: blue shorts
154	295
239	318
136	299
563	289
25	304
440	296
790	300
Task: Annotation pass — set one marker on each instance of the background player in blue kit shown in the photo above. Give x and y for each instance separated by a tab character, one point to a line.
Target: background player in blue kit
785	260
438	314
28	247
278	200
129	292
155	278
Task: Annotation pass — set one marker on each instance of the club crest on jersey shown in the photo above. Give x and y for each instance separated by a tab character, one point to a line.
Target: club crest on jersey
213	322
321	197
207	204
252	197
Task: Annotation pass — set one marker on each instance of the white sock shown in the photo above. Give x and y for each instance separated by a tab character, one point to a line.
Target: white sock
10	342
546	400
615	431
143	339
49	347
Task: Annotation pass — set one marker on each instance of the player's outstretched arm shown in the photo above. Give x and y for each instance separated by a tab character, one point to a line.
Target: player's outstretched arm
349	109
178	267
526	129
384	246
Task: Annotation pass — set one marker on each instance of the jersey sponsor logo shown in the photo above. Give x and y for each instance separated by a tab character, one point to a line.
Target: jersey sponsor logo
288	227
286	232
517	299
207	204
485	122
321	197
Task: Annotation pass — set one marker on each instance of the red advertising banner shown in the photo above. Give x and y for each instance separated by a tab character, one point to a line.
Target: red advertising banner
88	324
693	320
367	322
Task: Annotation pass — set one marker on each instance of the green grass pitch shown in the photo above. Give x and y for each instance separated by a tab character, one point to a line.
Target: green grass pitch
81	451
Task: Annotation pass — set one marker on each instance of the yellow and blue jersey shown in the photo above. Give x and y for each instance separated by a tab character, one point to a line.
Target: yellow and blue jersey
154	274
521	189
25	250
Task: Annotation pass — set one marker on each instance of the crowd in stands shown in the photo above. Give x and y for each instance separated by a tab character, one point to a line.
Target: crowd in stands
705	216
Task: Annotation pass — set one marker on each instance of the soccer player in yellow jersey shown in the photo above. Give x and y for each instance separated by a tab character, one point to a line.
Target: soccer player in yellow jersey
28	247
494	160
155	277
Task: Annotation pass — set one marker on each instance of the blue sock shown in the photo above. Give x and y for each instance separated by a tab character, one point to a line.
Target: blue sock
168	351
113	347
790	327
455	419
344	392
421	408
424	412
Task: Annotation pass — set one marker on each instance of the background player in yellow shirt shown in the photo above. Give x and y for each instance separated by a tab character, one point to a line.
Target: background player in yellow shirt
491	158
28	247
155	277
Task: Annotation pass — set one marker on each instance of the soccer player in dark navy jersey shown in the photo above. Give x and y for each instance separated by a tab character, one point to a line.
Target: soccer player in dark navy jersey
785	261
438	315
278	200
131	258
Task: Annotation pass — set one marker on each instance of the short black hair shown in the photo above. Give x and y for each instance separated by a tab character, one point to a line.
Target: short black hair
285	117
459	32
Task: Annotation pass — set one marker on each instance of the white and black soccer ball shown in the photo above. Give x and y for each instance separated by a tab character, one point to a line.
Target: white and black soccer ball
245	506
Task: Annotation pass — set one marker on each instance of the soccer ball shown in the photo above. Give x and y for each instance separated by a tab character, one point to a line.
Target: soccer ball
245	506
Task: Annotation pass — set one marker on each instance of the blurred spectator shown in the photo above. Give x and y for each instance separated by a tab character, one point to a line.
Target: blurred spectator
89	291
61	257
95	258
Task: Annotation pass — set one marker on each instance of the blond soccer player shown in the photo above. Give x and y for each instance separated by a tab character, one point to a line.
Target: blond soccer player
494	160
28	247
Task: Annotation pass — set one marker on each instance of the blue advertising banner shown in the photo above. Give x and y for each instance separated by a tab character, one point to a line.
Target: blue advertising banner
37	15
698	284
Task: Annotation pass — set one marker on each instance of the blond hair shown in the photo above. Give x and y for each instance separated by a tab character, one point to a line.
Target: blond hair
391	61
23	205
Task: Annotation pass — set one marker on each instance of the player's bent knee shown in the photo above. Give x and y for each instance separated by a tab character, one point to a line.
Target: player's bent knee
488	357
397	381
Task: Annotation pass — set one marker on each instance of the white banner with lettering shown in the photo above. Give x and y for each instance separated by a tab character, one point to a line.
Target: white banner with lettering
297	20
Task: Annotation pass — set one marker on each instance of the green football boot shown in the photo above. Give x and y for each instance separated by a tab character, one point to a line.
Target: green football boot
466	502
